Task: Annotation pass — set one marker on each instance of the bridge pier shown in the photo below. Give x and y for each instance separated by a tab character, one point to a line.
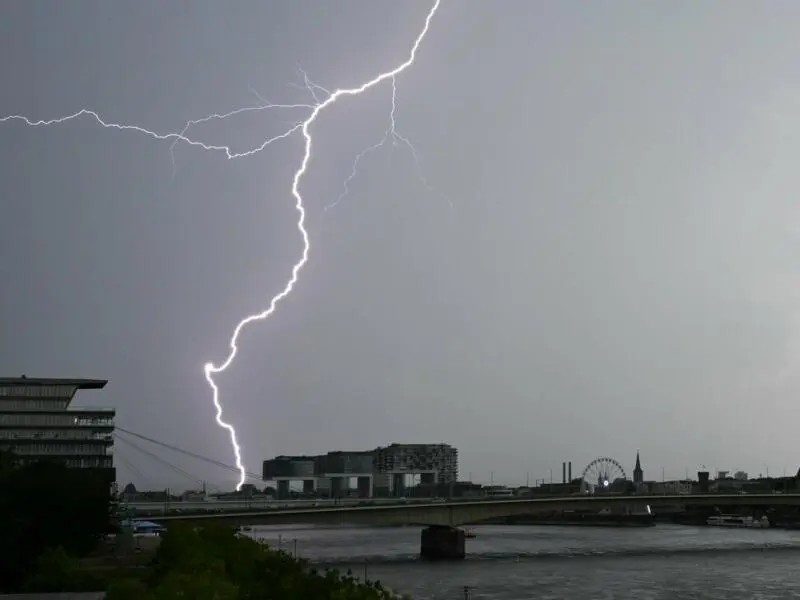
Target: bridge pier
442	543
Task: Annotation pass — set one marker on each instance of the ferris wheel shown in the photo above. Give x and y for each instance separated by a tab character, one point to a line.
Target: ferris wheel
600	474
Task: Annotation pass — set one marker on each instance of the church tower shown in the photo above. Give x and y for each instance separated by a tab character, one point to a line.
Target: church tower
638	474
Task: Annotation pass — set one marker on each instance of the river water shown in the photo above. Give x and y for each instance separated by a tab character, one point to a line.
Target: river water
576	563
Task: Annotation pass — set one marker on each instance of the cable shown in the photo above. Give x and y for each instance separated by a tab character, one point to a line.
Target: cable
131	467
160	460
182	451
186	452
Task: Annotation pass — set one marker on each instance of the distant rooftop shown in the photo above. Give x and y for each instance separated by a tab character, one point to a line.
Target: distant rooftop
81	384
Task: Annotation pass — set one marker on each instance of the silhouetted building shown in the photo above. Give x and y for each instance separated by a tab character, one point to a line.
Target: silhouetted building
638	474
702	482
37	422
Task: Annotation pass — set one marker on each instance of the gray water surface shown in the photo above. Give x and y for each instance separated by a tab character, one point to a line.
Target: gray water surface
576	563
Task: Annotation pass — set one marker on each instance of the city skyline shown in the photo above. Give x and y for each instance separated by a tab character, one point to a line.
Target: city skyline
600	257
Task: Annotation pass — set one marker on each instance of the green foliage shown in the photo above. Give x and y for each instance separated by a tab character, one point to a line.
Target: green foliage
56	571
214	563
44	506
129	589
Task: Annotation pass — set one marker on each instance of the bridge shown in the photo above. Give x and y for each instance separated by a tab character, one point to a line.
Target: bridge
258	504
441	518
456	513
441	537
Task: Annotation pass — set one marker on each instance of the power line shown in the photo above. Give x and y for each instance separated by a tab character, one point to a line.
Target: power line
217	463
157	458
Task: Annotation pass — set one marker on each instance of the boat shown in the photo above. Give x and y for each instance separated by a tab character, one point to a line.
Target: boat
470	533
140	528
738	521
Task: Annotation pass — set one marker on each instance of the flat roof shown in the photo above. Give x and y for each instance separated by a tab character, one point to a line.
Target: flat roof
81	384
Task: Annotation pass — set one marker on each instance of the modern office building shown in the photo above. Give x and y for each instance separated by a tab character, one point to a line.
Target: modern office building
381	471
38	422
436	464
285	469
328	473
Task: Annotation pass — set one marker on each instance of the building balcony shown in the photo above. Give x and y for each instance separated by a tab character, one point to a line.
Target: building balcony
49	420
44	450
68	435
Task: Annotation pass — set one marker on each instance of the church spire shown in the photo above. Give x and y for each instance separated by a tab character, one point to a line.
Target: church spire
638	475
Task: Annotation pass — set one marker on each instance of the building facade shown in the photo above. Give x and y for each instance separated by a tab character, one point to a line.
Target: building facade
382	471
436	463
38	422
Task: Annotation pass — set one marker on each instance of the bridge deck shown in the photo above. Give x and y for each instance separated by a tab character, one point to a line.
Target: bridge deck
472	511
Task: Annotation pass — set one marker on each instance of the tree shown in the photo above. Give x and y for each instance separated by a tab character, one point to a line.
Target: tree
45	505
56	571
214	563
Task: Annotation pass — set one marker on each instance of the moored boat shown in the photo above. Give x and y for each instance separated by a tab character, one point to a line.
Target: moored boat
747	522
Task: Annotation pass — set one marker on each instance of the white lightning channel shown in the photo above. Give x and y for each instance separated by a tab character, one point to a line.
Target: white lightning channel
392	134
211	369
303	126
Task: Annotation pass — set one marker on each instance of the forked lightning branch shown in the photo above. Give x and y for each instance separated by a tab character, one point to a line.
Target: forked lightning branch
303	128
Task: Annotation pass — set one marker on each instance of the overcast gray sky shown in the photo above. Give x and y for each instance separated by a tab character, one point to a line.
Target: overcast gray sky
617	271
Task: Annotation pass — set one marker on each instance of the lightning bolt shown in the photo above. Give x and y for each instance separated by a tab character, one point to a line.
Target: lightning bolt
397	139
210	369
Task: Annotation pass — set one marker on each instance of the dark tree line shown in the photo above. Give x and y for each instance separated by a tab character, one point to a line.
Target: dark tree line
48	510
214	563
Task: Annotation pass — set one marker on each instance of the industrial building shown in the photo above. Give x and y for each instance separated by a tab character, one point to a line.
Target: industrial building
379	472
37	422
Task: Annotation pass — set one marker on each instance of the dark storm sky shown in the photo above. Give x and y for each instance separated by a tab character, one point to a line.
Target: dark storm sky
617	271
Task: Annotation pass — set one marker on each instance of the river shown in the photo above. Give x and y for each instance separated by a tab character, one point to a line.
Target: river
575	563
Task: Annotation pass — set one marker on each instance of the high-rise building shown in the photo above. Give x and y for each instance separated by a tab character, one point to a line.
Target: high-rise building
37	422
437	463
638	474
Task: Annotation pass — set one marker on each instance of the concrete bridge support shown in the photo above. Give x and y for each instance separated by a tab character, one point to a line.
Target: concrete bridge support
442	543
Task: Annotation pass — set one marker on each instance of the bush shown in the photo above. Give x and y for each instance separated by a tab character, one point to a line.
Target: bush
215	563
57	571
